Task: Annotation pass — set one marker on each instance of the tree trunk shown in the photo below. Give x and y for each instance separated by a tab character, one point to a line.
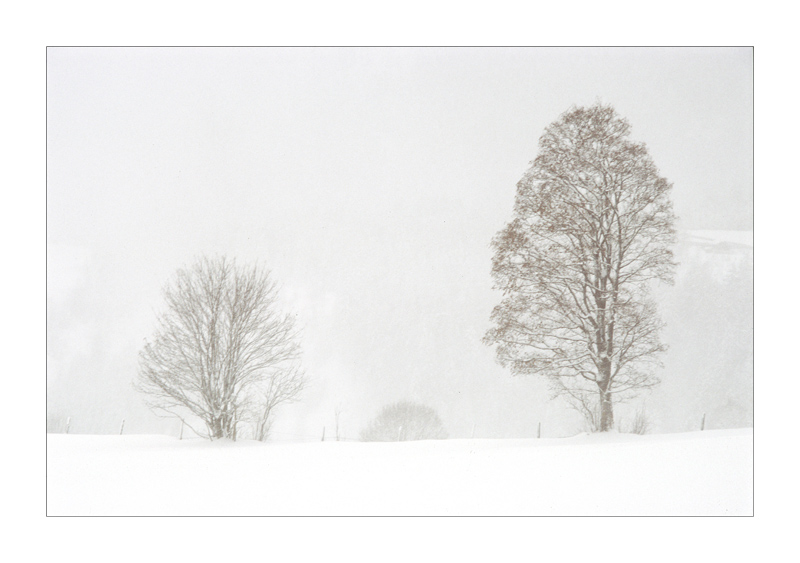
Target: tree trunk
606	412
606	406
216	429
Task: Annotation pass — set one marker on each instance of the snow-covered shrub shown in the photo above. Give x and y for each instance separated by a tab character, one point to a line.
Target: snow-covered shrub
403	421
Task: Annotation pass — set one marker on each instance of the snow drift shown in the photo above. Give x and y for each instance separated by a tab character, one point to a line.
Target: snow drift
698	473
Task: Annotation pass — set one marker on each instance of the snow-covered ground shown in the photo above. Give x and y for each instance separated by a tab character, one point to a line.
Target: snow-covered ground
698	473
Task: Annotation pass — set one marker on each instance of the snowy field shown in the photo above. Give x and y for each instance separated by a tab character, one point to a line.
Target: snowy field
698	473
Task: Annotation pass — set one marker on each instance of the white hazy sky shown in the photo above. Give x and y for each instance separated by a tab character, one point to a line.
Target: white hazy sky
369	180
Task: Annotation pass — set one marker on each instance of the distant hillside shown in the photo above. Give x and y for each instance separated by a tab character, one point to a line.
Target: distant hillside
709	329
419	337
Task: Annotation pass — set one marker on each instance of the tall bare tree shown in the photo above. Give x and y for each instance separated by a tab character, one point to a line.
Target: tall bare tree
592	229
223	352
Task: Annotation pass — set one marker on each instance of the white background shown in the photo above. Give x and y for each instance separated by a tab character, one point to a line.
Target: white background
28	30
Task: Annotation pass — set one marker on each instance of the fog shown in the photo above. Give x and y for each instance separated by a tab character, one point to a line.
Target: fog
370	182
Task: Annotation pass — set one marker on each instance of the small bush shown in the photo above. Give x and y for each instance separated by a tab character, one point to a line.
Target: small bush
404	421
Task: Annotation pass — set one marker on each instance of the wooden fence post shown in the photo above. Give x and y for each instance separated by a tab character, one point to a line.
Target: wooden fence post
68	419
703	423
122	427
539	431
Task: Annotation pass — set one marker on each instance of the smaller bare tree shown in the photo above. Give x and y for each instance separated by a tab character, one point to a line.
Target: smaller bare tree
640	423
223	352
284	387
403	421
